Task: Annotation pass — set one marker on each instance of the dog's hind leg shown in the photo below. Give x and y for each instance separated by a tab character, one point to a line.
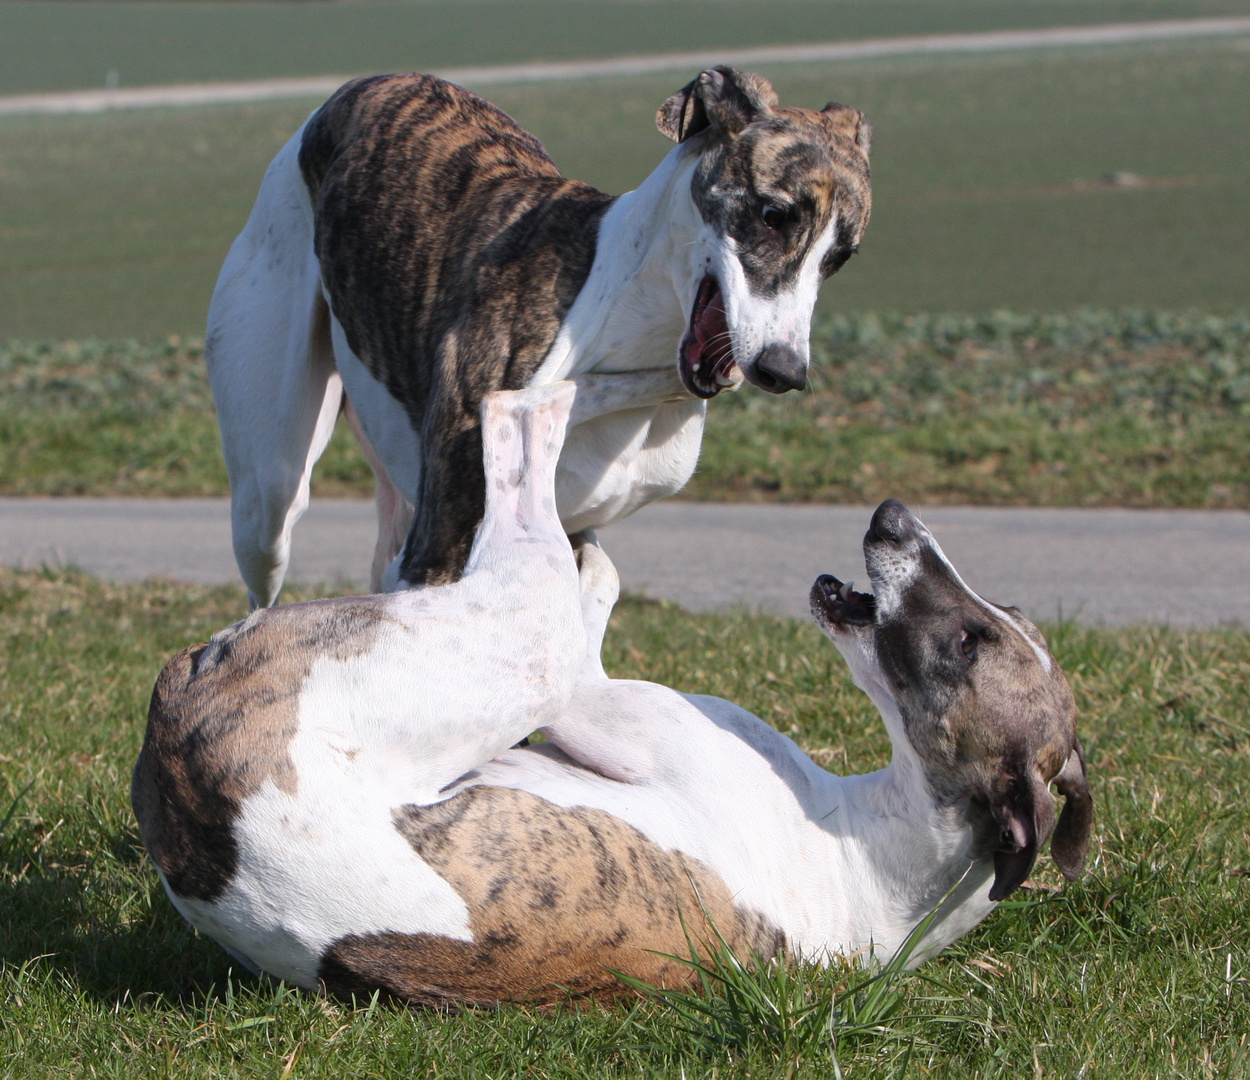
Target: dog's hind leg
394	511
522	432
271	367
505	644
600	588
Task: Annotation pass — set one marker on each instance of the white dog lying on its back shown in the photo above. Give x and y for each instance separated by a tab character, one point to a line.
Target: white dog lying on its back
327	789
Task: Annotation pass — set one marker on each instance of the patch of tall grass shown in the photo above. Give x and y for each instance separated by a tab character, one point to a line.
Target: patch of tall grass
798	1009
1086	408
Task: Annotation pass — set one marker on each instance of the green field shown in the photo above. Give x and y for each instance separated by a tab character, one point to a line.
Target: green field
1091	409
987	173
52	45
1139	970
990	195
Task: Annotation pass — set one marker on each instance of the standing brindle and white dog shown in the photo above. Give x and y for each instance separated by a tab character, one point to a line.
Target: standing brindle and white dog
415	248
327	788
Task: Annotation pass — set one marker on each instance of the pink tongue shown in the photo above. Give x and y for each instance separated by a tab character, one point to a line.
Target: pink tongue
712	328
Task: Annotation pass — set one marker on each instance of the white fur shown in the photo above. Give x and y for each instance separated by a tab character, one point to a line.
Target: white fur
756	321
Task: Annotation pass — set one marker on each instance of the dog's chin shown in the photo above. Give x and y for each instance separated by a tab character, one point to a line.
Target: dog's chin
706	361
839	609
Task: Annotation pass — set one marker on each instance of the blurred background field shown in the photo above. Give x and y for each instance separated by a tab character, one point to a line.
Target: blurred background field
52	45
1087	185
1083	409
1037	181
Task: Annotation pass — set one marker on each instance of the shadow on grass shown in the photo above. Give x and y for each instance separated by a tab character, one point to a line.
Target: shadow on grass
102	922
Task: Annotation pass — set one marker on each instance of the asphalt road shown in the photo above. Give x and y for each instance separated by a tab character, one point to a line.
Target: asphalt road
1184	567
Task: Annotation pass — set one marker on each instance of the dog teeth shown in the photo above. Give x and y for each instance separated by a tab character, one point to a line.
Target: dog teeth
723	379
844	593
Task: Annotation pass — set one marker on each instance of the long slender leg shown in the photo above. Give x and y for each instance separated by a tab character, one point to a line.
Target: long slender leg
601	586
598	395
522	432
506	642
272	373
394	511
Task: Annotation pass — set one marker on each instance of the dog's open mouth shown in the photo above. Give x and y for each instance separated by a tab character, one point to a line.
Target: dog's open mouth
707	357
835	603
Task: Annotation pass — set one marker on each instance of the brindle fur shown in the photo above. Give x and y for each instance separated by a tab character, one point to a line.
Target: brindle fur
558	898
451	249
220	722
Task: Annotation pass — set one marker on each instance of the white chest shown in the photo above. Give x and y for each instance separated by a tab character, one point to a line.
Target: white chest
615	464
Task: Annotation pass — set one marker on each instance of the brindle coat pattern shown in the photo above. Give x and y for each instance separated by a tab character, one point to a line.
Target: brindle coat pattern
220	722
451	249
1002	757
558	898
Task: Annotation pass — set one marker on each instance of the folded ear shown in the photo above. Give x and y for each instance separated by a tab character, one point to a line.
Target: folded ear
721	98
849	122
1025	817
1070	844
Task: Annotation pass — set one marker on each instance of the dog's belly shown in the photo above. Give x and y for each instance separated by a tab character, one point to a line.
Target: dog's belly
491	895
617	463
386	422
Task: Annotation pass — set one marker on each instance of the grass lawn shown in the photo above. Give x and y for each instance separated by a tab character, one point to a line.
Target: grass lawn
1078	410
1139	970
48	45
988	177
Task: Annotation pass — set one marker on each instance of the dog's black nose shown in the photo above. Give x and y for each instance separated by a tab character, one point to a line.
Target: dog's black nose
892	522
778	368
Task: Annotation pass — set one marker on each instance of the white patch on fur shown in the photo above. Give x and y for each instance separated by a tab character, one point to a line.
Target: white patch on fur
892	573
634	304
342	867
755	322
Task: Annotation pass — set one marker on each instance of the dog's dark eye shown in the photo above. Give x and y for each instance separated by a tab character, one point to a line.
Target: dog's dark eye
968	644
772	216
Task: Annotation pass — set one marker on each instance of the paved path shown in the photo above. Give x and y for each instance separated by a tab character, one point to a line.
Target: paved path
1113	566
88	101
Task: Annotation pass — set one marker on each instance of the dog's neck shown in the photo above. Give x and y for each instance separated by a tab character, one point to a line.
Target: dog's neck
906	848
631	312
